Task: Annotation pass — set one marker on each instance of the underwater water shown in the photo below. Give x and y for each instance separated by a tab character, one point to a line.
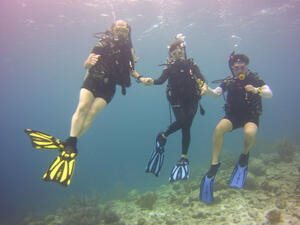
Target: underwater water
43	47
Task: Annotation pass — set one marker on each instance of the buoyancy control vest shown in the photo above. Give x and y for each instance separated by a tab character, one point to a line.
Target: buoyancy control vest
238	100
182	77
115	62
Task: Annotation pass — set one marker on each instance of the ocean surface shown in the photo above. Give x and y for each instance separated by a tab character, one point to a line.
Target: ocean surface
43	45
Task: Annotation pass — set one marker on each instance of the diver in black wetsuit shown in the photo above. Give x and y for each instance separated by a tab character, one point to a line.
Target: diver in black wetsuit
243	108
183	93
110	63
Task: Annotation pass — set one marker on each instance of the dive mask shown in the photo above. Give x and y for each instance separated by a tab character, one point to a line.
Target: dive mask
239	69
178	53
121	32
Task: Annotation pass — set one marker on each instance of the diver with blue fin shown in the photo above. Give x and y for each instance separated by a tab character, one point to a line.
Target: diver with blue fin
184	90
243	107
110	63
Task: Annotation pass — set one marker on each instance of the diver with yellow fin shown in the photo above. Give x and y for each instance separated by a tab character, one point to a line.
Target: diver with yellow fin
62	168
110	63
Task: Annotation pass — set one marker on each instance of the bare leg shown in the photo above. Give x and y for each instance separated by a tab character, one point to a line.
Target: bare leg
86	99
223	127
250	130
97	106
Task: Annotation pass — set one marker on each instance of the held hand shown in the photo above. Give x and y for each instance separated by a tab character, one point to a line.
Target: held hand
204	89
250	88
147	81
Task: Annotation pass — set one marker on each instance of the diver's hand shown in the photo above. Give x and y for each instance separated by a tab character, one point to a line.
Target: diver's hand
94	60
204	89
250	88
91	61
147	81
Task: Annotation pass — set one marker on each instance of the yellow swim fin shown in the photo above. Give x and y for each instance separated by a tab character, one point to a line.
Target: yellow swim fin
62	168
41	140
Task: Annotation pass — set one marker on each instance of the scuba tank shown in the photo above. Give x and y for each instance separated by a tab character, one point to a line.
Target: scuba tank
183	45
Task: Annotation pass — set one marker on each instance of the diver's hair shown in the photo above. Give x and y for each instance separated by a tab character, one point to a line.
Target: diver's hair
239	58
174	45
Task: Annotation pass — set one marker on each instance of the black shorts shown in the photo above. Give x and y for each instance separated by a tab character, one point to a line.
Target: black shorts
239	120
99	87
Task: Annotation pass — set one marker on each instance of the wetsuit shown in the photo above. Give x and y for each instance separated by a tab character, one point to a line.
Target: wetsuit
183	93
241	106
112	68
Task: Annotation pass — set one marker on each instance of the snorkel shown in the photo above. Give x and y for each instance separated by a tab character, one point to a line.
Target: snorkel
229	61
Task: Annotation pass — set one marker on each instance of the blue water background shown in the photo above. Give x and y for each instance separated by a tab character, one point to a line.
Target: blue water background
43	46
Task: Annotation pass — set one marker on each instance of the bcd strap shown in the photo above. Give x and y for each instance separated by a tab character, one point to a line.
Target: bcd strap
123	90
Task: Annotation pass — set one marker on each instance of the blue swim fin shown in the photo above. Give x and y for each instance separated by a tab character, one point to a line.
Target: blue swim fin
180	170
238	176
207	184
207	189
157	157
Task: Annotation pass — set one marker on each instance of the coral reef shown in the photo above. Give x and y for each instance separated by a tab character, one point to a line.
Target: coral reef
132	195
257	167
271	196
110	217
81	210
274	216
147	200
251	182
286	149
228	159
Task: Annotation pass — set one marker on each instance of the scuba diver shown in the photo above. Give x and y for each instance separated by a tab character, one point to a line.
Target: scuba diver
110	63
185	84
243	108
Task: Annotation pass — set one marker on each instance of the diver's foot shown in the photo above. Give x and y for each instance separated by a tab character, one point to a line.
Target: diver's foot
70	145
70	149
180	170
161	139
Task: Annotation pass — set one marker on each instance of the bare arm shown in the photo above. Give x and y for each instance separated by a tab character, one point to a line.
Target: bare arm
135	74
264	91
145	80
215	93
134	57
